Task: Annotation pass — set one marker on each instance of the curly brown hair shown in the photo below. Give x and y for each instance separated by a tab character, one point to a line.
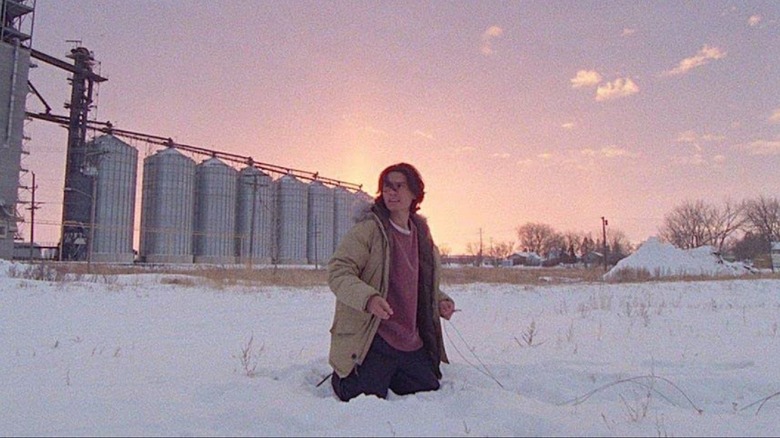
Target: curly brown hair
413	178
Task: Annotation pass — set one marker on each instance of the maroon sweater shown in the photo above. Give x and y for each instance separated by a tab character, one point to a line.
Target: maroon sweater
400	330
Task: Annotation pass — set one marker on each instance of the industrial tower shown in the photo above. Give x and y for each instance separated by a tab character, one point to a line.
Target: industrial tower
15	36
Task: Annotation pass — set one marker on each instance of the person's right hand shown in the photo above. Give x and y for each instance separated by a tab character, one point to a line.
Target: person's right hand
378	306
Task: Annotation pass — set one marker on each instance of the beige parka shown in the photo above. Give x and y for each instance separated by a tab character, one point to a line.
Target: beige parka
358	270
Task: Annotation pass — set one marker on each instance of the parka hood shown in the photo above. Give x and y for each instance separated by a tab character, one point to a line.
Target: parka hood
365	210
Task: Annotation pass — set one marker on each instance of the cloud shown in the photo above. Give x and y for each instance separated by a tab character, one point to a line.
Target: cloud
628	32
545	156
694	139
762	147
501	155
699	160
754	20
488	36
616	89
692	160
608	152
615	151
568	125
585	78
775	117
423	134
371	130
581	159
703	57
687	137
465	149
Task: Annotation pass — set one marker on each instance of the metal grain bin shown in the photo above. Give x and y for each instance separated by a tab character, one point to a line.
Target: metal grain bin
342	214
215	212
320	224
292	215
168	198
255	230
117	164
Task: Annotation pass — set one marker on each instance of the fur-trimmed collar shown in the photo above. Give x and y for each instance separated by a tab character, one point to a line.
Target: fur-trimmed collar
366	210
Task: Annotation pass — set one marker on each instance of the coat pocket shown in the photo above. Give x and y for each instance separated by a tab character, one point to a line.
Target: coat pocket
350	322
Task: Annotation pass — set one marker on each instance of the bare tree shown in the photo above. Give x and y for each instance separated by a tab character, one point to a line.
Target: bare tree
475	249
684	226
726	221
445	250
501	250
573	240
696	223
539	238
750	246
619	245
762	217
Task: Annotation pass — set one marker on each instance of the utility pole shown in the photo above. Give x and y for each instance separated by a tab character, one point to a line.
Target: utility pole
33	207
479	256
604	224
92	208
316	238
252	222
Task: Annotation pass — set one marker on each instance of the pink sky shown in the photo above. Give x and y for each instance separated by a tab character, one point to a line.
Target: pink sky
553	112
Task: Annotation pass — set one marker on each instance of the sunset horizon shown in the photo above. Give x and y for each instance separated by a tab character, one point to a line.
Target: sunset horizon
561	113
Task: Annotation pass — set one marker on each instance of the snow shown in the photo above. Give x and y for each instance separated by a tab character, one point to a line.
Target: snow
661	259
142	354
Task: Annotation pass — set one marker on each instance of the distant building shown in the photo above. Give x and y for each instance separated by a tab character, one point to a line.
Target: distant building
775	253
592	258
525	259
22	251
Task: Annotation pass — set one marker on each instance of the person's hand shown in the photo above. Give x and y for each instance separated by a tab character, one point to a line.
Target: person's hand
446	309
379	307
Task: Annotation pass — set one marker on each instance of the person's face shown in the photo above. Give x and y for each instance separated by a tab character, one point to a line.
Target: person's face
396	193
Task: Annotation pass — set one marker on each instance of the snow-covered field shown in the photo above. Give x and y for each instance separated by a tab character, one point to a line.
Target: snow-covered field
144	355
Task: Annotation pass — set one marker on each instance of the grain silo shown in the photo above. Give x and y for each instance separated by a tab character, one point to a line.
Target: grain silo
215	212
292	215
342	214
167	203
320	224
115	200
360	201
14	67
255	230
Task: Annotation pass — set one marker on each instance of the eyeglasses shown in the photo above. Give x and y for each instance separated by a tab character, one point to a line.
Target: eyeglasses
396	187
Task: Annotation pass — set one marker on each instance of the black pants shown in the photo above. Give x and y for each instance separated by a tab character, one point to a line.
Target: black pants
387	368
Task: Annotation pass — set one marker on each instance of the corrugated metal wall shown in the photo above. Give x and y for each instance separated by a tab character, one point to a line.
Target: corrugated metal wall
320	224
167	208
293	207
115	204
342	214
215	212
255	241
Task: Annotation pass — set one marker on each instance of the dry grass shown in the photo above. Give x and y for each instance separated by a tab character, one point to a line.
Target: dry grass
223	276
637	275
187	275
531	276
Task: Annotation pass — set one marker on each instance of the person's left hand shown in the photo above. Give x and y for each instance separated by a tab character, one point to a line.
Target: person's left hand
446	309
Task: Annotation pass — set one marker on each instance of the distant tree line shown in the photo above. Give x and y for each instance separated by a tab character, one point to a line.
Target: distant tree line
553	247
571	246
744	229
